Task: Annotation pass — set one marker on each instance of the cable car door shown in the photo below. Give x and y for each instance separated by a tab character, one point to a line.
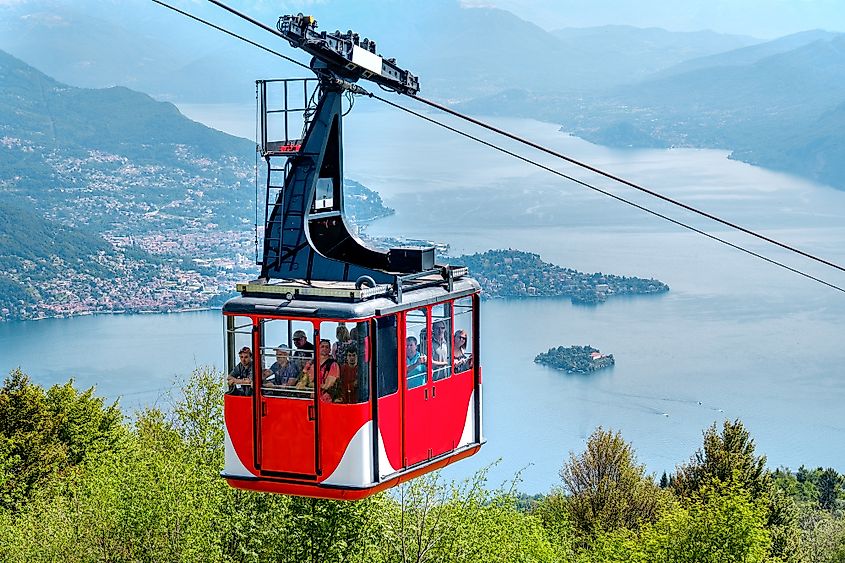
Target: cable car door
416	380
286	413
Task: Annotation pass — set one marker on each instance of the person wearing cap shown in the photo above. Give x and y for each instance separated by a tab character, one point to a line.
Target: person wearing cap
283	372
304	349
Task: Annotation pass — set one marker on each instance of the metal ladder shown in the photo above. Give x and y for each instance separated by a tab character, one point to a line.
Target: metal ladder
277	146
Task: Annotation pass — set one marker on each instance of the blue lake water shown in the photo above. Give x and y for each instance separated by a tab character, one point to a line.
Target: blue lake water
735	337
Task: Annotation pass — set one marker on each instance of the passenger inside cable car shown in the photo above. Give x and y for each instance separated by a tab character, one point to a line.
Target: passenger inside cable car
240	377
415	367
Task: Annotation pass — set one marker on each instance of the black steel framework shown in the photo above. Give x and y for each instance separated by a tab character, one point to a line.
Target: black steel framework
306	235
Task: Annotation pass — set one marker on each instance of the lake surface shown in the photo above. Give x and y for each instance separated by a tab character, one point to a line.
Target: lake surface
735	337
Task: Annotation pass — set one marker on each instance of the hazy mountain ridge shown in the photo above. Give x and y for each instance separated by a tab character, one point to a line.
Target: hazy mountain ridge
42	110
770	112
773	111
750	54
617	54
459	52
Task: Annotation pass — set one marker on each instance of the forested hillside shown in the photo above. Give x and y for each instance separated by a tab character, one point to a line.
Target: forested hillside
77	483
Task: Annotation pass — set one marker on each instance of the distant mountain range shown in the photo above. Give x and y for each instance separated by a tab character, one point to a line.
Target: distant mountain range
459	52
769	102
773	104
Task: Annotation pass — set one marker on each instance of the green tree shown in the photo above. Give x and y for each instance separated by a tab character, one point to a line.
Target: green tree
728	459
829	487
553	512
822	537
606	488
718	525
797	485
430	520
44	434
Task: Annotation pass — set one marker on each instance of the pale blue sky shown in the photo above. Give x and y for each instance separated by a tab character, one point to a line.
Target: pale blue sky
760	18
765	19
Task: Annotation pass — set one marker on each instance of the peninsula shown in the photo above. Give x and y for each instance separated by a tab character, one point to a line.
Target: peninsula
575	359
513	273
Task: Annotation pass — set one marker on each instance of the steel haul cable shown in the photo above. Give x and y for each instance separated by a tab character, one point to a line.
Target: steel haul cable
621	180
607	193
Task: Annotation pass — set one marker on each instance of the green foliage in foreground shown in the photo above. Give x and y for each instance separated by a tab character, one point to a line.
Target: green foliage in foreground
77	483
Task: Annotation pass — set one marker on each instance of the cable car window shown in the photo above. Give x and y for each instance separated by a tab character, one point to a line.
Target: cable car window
441	345
239	360
462	337
334	343
287	358
387	356
416	349
353	360
324	195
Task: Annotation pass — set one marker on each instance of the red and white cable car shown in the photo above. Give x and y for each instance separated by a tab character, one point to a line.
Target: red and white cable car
350	370
393	418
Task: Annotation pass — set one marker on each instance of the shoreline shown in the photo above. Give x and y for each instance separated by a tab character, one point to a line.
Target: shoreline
115	312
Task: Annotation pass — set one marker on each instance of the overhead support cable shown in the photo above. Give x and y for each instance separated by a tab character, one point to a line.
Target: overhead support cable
605	192
556	154
621	180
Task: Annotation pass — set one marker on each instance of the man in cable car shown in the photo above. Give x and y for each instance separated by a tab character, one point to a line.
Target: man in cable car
349	377
304	349
240	378
439	351
283	372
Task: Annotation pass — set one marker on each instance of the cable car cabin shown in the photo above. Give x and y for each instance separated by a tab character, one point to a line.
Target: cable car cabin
352	392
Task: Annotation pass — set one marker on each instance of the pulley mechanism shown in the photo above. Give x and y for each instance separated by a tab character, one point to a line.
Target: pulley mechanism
345	55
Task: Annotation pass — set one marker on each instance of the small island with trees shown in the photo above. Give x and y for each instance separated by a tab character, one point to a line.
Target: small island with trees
575	359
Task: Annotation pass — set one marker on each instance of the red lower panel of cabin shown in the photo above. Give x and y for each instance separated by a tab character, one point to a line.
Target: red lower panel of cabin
332	450
340	493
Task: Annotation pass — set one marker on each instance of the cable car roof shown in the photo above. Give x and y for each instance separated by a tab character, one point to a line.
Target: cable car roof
330	305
